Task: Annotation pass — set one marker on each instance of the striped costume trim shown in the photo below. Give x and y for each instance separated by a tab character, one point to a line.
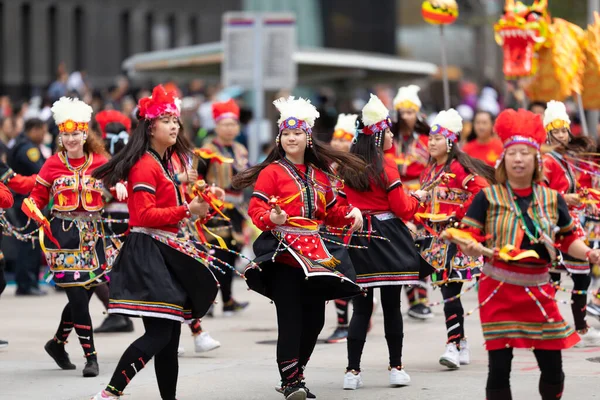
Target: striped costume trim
342	194
388	279
526	330
332	202
144	187
149	309
7	176
568	228
473	223
42	181
261	196
396	184
467	179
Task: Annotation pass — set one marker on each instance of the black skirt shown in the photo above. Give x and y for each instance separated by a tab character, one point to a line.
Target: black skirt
323	282
153	279
81	259
395	261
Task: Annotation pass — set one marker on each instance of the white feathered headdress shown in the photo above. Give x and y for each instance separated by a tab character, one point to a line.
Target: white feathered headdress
71	114
374	111
346	123
295	111
408	97
555	116
447	123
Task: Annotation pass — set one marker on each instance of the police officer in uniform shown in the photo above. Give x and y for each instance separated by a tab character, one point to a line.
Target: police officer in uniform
26	159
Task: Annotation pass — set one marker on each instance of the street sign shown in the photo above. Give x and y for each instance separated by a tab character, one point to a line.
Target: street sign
275	34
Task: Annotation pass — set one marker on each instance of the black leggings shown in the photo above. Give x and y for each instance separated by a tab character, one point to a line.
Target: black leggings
341	309
76	314
549	362
300	318
392	321
160	341
454	312
2	276
578	301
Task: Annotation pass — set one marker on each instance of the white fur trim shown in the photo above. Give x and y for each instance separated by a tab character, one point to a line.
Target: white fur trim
346	122
299	108
374	111
555	110
67	108
449	119
409	93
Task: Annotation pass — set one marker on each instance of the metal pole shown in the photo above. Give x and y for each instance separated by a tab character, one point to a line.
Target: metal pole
582	115
446	85
259	91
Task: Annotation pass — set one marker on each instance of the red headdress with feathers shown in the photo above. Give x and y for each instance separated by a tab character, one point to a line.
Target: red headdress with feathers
226	109
161	102
520	127
108	116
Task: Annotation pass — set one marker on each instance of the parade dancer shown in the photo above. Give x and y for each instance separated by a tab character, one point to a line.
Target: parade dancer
386	264
561	176
115	128
482	143
453	179
73	241
6	201
156	276
411	134
299	269
343	134
213	170
517	304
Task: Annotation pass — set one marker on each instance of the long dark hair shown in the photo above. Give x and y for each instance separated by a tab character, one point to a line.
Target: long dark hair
117	169
365	148
320	156
470	164
577	144
400	127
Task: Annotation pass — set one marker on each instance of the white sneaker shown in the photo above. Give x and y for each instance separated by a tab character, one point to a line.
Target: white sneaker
352	381
399	377
589	339
102	395
464	355
180	351
204	342
451	357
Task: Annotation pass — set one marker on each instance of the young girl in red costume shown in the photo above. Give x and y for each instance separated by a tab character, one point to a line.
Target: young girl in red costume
454	179
386	264
409	150
300	269
73	242
482	142
561	175
156	276
518	309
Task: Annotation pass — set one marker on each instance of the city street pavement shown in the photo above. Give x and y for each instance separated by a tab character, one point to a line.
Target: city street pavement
244	367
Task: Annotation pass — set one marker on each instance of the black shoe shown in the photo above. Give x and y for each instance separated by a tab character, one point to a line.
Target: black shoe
58	353
31	292
232	306
115	323
309	394
295	392
339	335
91	368
3	344
420	311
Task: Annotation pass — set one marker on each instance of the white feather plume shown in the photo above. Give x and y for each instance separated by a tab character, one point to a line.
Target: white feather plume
299	108
374	111
449	119
555	110
409	93
67	108
346	122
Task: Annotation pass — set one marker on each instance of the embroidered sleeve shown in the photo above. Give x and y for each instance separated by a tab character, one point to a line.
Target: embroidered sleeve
473	184
40	194
477	212
259	209
142	180
566	224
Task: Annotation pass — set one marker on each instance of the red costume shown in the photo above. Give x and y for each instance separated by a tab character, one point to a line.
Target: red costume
487	152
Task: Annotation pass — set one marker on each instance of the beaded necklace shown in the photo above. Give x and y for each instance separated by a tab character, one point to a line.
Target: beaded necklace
75	169
533	237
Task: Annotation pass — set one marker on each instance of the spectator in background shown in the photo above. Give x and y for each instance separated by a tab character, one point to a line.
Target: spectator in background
7	130
26	159
488	101
483	144
537	107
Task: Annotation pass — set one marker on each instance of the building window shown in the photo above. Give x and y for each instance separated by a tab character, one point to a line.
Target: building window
79	31
193	29
171	25
124	35
26	42
52	56
148	33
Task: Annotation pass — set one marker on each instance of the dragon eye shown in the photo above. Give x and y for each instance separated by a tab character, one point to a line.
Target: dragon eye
533	16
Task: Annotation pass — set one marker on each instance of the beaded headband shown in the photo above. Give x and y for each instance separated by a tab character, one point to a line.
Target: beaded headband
517	139
70	126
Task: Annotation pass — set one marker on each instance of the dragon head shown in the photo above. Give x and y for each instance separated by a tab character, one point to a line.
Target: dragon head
522	31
